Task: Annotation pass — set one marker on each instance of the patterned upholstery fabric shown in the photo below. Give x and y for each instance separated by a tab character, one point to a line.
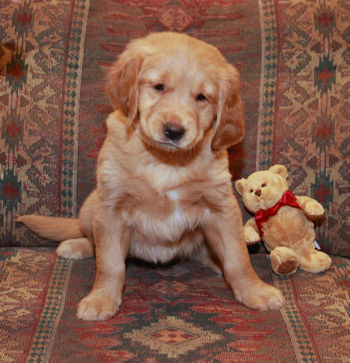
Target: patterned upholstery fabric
180	313
294	60
294	64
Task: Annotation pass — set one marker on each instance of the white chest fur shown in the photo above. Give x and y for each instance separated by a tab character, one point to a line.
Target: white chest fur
165	220
178	220
161	237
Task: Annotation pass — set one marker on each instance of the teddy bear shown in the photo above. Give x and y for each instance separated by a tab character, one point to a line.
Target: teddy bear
283	221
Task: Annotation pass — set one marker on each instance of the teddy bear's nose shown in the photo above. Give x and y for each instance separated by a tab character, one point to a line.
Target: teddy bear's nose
258	192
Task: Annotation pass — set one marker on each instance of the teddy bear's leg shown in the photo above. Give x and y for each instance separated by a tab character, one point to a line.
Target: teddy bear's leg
316	261
284	260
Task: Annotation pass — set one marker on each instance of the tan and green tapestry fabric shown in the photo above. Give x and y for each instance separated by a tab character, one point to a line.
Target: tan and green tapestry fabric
294	60
294	63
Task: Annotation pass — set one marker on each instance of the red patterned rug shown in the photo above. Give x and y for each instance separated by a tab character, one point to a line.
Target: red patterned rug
179	313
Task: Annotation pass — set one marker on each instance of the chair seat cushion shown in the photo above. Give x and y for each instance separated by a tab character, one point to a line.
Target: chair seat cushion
182	311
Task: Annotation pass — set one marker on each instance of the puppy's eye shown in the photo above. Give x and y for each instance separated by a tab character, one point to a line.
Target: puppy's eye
263	185
201	97
251	190
159	87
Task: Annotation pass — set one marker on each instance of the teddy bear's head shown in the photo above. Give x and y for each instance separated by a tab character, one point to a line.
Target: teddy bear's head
263	189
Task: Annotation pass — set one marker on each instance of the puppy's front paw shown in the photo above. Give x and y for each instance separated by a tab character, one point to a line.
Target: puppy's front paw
261	297
97	306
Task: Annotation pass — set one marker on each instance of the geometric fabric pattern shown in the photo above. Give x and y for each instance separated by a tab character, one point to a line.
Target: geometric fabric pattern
172	337
200	322
39	100
294	64
312	83
295	72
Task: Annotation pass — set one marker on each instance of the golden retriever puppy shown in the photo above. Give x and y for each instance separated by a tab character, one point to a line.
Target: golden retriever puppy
163	185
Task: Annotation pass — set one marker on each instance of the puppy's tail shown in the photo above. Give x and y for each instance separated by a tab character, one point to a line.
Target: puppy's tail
53	228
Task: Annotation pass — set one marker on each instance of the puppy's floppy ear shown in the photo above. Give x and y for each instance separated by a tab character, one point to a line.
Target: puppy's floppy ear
122	83
229	128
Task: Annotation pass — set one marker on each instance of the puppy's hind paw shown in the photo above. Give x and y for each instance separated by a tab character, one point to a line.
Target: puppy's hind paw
75	249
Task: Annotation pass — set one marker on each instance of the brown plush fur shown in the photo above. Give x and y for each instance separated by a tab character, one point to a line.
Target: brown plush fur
290	234
159	198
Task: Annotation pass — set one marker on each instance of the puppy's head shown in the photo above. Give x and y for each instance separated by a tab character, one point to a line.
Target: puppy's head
176	89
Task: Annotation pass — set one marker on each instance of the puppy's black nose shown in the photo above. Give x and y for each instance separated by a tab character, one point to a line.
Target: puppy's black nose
173	132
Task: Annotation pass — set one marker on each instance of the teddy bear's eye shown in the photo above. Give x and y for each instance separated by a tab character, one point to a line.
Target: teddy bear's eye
159	87
263	185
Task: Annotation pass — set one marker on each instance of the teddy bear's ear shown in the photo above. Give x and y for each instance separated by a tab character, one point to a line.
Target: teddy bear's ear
240	185
280	170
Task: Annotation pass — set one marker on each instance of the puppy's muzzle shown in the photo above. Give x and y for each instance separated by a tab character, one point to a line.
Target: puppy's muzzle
173	132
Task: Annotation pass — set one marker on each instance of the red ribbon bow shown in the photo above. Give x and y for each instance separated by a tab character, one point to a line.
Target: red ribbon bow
262	216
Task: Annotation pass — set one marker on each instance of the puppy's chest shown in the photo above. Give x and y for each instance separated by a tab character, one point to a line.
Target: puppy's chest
167	215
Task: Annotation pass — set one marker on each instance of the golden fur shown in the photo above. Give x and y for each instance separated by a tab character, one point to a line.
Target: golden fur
163	185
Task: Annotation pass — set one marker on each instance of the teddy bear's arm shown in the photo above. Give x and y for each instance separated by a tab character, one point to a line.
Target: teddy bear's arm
251	232
312	208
